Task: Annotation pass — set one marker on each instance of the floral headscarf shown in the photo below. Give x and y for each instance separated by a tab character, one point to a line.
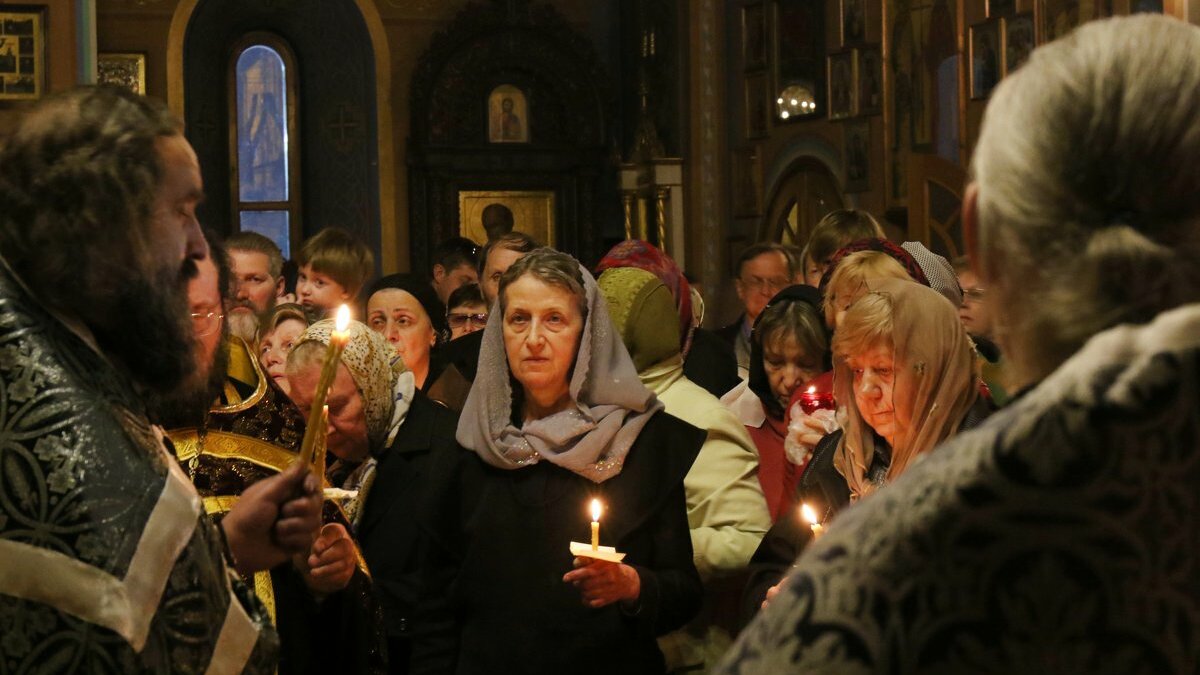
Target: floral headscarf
386	385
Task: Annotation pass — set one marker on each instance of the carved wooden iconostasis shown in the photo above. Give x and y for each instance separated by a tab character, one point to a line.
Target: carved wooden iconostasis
884	96
510	101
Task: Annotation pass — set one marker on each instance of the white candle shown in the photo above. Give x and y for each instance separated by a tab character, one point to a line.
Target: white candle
810	517
595	524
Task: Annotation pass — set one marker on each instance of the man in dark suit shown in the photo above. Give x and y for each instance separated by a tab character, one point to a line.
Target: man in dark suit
762	271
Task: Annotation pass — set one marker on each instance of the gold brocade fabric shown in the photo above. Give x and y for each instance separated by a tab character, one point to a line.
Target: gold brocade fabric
253	432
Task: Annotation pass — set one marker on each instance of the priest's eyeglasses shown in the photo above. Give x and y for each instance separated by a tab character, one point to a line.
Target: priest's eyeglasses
205	323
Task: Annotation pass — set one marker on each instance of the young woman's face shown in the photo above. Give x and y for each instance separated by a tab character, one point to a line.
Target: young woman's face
787	367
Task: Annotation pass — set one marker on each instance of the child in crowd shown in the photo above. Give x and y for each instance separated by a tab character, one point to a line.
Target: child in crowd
334	266
834	231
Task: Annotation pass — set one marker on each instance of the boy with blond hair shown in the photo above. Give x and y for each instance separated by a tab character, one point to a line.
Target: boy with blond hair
334	266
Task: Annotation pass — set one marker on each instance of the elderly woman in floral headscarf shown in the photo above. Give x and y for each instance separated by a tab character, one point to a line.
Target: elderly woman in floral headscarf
383	433
557	417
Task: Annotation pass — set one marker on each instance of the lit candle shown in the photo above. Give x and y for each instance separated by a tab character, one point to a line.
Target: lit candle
818	395
333	356
810	517
595	524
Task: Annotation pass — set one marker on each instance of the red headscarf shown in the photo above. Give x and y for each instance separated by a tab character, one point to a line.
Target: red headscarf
644	256
883	246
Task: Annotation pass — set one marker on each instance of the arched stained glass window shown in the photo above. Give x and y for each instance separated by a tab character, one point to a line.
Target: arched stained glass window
262	139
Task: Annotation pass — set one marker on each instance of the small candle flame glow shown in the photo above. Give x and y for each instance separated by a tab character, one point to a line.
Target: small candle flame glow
343	319
809	515
595	524
812	389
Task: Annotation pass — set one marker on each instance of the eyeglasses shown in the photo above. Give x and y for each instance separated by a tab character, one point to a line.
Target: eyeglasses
459	320
771	285
204	323
974	294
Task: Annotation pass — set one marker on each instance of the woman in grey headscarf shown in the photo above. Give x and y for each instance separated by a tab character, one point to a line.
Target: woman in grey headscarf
557	417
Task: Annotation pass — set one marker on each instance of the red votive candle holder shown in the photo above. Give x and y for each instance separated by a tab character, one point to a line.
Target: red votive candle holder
817	394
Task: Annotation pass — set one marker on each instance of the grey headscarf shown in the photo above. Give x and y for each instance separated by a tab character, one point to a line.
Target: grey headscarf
592	437
938	271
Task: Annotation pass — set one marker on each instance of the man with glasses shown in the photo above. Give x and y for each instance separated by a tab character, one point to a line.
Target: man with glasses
976	316
468	311
108	562
762	270
232	428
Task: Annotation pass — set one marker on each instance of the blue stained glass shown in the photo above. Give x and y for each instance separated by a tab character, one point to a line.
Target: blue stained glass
273	225
262	125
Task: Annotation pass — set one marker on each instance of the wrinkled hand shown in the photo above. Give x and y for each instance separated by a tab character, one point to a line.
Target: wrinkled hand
806	431
330	563
274	519
773	591
602	583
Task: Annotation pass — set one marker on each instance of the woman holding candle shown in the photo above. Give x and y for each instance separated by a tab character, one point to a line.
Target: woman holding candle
383	433
905	374
556	418
789	347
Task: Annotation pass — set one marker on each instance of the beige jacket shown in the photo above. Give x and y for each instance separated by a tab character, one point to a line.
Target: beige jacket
727	513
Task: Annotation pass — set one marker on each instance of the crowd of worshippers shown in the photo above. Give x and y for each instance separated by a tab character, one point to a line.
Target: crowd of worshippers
890	461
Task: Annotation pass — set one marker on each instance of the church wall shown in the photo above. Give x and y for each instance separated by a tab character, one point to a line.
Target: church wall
143	26
61	58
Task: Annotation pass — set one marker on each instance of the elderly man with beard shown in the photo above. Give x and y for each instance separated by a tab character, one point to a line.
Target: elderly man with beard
257	267
108	562
232	427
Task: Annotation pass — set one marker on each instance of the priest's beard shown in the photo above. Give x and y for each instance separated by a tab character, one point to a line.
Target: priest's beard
189	403
243	325
145	325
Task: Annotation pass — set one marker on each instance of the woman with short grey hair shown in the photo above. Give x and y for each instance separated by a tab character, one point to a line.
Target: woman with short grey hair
1061	535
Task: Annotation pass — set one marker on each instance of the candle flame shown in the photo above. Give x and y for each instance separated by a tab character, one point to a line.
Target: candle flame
809	515
595	510
343	318
812	389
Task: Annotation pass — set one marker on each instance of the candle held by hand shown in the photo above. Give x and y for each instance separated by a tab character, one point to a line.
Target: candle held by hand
810	516
818	395
595	524
333	357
